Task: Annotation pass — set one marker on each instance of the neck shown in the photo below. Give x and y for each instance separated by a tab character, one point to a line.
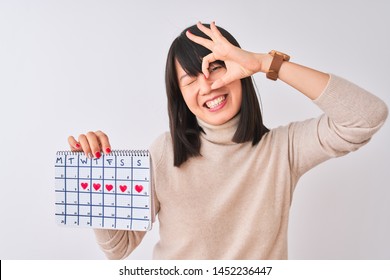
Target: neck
220	134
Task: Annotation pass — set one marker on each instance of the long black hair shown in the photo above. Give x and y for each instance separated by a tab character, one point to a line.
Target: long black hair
185	131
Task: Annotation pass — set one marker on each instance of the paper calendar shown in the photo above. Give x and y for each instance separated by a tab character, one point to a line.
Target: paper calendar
112	192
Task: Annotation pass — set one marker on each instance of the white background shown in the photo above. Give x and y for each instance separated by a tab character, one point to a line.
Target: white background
67	67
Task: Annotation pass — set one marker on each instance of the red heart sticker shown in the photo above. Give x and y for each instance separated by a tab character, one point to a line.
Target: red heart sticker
109	187
96	186
84	185
123	188
139	188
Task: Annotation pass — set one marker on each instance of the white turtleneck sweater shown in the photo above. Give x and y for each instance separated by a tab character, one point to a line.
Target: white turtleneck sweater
233	202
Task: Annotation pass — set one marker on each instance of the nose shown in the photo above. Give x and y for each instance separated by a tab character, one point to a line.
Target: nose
204	85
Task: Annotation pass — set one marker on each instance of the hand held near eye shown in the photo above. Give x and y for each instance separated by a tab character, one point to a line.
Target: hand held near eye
239	63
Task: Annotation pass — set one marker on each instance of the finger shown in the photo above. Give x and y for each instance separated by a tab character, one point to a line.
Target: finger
206	63
85	145
104	142
215	31
205	30
219	83
94	143
74	145
208	44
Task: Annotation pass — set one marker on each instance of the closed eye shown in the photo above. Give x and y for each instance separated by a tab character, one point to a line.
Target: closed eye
188	81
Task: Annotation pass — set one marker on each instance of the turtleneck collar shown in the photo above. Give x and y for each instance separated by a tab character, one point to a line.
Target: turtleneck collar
220	134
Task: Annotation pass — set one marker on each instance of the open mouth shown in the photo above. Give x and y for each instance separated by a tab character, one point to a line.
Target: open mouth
215	103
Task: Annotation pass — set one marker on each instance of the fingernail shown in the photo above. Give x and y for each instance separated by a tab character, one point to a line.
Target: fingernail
78	145
89	155
108	150
98	154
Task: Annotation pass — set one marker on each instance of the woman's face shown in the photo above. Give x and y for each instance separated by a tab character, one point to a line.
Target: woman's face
216	106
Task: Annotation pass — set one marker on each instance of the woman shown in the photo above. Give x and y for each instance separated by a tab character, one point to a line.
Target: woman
223	182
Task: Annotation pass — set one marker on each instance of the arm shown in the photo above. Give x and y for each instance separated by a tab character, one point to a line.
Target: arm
352	115
118	244
308	81
312	83
241	63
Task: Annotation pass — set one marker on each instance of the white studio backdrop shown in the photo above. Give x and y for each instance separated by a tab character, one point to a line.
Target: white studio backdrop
67	67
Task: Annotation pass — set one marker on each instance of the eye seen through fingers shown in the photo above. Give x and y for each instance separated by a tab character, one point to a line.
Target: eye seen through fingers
216	69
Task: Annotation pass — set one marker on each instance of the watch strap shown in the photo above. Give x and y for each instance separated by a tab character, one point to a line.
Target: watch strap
277	61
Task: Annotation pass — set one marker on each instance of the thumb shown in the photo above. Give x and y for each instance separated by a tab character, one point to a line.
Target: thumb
227	79
218	83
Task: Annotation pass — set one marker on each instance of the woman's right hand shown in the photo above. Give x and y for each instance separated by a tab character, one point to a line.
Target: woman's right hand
92	144
239	63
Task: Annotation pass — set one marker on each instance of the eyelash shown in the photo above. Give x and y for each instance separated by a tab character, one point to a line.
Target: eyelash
191	82
212	68
216	67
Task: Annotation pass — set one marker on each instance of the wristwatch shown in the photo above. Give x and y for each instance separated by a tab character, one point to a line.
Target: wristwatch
278	59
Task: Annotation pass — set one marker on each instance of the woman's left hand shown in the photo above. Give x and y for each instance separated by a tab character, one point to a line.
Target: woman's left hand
239	63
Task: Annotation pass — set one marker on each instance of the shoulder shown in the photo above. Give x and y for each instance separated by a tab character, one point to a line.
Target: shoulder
161	147
278	133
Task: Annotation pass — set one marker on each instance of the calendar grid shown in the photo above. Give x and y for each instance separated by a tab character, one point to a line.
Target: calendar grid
78	189
65	200
111	192
131	183
103	194
116	186
90	192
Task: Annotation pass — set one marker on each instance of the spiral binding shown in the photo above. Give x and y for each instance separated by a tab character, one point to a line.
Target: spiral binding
133	153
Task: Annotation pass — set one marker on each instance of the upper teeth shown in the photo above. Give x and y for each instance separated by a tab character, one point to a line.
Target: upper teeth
214	103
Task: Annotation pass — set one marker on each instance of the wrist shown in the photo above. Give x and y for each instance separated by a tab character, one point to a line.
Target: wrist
278	59
264	60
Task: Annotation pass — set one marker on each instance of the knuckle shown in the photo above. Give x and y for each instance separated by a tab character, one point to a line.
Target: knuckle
90	133
100	133
82	137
